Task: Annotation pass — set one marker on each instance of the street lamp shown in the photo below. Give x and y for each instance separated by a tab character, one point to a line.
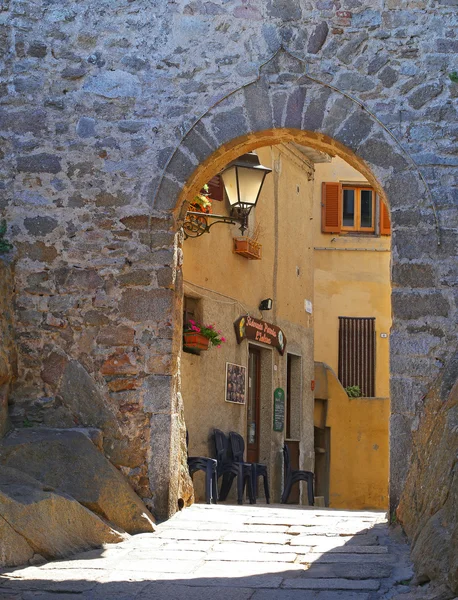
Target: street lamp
243	179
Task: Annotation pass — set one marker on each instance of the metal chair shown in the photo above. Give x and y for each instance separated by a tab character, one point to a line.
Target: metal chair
293	476
209	467
230	469
257	469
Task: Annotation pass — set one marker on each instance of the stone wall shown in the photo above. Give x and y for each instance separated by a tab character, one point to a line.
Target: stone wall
8	358
95	99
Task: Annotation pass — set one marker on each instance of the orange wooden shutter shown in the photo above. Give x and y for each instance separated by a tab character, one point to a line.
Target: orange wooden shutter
215	188
331	207
385	223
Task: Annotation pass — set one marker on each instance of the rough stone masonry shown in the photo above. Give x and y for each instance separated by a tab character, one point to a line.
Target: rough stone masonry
107	110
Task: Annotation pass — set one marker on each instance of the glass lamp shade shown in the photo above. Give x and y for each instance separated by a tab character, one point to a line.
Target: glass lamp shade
243	179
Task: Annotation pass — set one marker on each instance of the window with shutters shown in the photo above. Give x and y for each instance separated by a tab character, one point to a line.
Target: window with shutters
357	353
352	208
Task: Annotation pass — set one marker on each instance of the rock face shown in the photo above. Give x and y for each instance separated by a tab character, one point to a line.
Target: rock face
69	462
428	509
38	520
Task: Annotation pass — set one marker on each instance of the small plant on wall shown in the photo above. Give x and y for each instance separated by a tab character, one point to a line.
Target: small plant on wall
4	245
353	391
201	337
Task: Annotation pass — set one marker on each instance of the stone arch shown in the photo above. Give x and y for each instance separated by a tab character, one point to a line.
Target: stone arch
284	106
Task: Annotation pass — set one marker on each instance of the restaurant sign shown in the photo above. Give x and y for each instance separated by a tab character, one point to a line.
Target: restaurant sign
249	328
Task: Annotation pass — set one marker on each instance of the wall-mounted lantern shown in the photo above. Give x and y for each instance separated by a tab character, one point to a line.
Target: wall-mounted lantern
243	179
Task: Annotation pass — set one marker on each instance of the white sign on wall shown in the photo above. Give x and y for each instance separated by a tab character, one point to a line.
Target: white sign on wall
308	306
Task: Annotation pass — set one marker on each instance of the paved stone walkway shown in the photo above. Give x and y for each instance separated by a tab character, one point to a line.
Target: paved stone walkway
232	553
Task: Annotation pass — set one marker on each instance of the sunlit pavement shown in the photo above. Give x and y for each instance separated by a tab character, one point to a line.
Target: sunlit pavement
235	553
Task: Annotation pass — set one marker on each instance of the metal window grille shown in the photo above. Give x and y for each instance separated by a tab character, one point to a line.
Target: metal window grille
357	353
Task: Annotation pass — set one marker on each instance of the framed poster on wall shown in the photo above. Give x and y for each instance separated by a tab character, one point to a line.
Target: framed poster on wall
235	383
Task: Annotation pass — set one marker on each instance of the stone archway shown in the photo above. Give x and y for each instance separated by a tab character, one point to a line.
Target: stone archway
283	106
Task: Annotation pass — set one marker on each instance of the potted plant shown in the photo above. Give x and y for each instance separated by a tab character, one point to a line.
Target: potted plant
202	202
201	337
248	246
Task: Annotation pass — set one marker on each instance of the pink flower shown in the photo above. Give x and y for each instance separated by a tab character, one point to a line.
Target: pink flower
218	346
192	322
209	326
223	339
219	331
194	328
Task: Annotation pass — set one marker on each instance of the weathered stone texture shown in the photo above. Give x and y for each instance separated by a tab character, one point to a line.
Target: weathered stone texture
70	463
89	120
429	501
8	359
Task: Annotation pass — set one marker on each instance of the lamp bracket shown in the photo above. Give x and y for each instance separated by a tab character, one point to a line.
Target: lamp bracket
196	223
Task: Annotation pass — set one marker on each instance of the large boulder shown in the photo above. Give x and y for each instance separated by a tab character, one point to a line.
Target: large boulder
36	520
428	509
68	461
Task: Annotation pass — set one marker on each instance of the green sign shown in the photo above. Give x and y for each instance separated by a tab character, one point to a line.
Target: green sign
279	409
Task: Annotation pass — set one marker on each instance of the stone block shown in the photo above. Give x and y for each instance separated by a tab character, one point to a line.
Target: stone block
120	364
383	154
286	10
295	108
146	305
416	305
347	51
40	226
258	105
355	129
229	125
137	277
315	111
116	336
85	127
414	275
38	251
39	163
181	167
113	84
317	38
424	94
24	121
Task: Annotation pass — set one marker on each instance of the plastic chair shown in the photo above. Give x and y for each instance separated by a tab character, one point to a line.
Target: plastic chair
257	469
229	469
293	476
209	467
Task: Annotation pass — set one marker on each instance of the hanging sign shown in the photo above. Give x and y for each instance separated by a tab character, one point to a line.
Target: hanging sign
249	328
279	409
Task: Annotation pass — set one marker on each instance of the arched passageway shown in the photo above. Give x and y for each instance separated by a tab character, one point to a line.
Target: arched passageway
282	106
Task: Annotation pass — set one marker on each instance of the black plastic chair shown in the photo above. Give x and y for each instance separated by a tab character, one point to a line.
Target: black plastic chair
293	476
257	469
229	469
209	467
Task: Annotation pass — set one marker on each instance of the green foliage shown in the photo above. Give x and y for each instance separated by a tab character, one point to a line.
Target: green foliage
453	76
27	423
216	338
4	245
353	391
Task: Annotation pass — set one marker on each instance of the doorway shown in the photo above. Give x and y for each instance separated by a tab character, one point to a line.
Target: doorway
253	404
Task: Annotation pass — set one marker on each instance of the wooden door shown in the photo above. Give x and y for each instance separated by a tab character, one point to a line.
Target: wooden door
253	404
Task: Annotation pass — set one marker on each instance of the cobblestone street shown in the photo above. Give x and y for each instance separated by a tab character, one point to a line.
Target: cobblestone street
233	552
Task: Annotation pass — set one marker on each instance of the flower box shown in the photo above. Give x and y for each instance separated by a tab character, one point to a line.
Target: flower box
248	248
194	340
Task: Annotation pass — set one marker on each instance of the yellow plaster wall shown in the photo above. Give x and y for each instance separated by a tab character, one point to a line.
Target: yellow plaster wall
359	466
229	285
352	279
